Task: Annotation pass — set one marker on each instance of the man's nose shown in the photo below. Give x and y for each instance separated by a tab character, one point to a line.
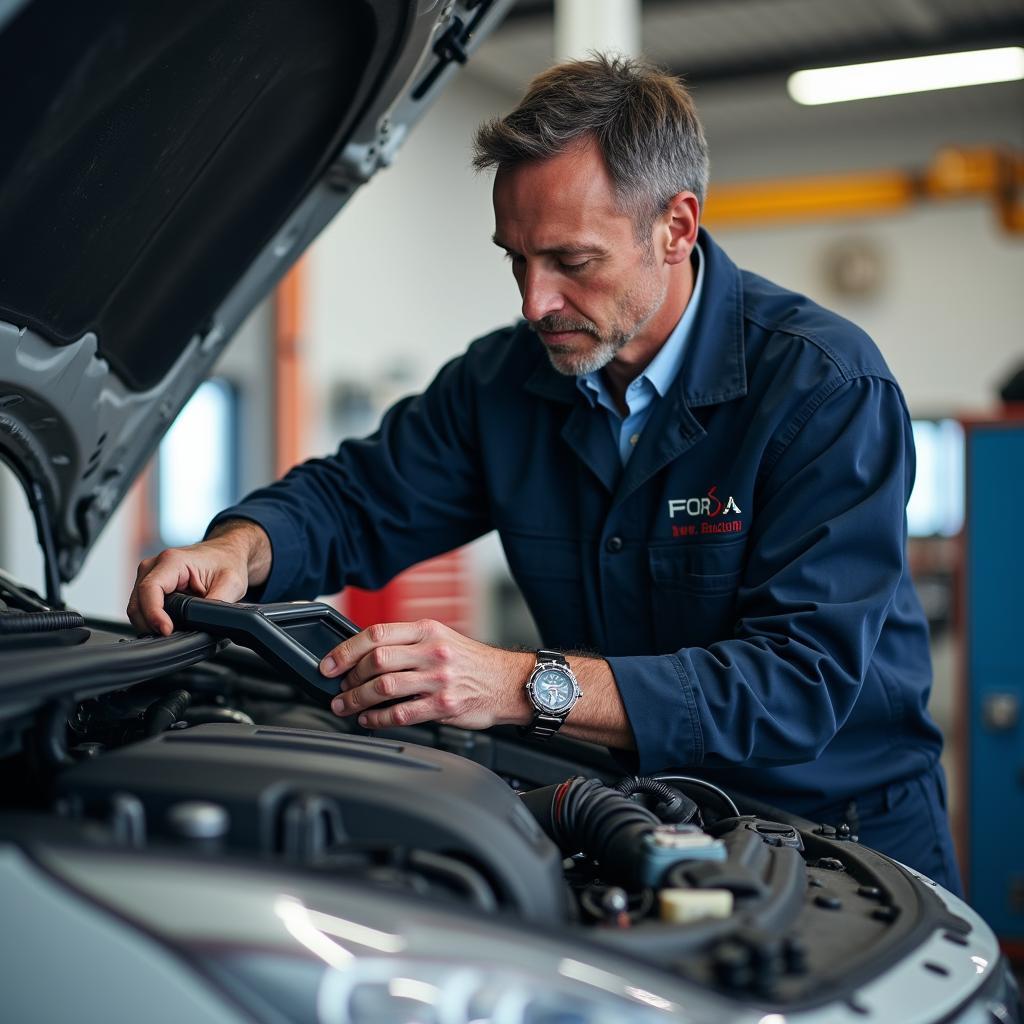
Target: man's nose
541	295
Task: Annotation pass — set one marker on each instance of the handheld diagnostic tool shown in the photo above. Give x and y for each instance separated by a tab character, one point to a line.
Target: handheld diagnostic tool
292	636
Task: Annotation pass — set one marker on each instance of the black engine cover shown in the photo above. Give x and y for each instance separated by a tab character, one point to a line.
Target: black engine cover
294	793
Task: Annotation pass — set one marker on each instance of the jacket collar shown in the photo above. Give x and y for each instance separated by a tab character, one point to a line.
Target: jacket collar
714	368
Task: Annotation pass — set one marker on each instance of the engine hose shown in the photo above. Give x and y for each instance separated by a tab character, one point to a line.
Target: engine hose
586	816
665	944
680	781
673	807
163	713
51	734
457	873
205	715
39	622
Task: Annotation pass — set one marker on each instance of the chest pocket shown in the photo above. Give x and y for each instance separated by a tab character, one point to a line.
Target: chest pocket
693	592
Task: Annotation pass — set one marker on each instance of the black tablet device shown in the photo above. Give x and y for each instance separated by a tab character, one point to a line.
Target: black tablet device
292	636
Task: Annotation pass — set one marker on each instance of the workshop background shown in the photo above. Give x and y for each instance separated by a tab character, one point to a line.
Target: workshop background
904	213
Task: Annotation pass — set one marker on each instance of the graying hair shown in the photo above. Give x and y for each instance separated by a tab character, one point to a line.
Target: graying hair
642	118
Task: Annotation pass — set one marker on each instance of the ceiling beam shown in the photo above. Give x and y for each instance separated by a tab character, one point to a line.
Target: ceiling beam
526	9
1009	32
908	39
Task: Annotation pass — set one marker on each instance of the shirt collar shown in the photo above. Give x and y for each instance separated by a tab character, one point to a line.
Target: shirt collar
665	366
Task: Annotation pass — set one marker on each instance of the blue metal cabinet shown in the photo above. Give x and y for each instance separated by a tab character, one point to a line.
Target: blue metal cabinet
994	623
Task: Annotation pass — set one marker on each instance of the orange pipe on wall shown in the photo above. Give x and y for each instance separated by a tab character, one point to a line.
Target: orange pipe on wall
289	390
808	198
991	172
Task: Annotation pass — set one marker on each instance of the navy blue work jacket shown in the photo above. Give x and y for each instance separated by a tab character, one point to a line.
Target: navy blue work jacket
745	574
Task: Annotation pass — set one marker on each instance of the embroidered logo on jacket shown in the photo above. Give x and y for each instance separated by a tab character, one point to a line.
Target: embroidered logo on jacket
710	509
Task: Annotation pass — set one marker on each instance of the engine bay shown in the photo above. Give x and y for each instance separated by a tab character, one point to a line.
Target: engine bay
221	760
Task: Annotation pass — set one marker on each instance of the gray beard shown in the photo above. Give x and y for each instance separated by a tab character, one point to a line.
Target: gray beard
579	364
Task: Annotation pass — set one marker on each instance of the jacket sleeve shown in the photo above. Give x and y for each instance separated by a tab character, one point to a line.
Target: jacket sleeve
377	505
826	554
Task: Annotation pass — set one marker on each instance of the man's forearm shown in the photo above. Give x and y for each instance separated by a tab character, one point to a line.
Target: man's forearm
451	678
599	716
253	542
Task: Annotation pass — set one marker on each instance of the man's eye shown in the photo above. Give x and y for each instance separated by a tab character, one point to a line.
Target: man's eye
574	268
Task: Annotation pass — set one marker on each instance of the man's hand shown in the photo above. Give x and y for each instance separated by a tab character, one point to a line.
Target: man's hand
453	679
234	558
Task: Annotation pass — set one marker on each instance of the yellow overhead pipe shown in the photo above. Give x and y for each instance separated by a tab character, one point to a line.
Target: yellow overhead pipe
997	174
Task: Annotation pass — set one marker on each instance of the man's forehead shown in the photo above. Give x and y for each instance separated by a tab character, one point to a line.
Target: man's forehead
563	186
561	214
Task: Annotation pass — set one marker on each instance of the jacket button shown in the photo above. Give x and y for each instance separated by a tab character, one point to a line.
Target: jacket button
613	545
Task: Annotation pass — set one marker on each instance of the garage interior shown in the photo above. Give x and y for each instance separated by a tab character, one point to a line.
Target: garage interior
904	213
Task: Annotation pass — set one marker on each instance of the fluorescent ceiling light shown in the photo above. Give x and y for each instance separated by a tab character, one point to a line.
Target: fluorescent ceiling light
912	74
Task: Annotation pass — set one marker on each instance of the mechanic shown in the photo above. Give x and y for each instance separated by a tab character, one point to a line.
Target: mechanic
693	471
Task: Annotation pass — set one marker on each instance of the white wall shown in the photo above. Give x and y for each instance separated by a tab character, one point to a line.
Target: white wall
949	312
408	275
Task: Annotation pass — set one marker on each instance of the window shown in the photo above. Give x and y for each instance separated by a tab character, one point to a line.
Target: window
936	507
197	464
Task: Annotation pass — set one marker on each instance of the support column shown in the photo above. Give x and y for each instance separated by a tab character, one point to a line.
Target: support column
605	25
290	408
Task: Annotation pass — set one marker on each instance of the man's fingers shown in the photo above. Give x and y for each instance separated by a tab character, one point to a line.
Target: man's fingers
388	687
347	655
152	592
134	615
144	566
409	712
151	608
382	661
162	580
215	569
225	586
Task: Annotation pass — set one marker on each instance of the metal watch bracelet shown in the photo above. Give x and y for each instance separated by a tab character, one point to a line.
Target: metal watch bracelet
544	726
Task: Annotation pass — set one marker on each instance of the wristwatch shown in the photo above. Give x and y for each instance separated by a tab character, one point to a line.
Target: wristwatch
553	691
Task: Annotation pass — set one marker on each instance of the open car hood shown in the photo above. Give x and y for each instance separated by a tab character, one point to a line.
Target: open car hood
163	165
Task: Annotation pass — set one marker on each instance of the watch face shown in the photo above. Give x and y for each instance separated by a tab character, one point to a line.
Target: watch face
553	690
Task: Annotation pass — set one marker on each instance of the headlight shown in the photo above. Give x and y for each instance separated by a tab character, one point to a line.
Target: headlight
408	992
359	975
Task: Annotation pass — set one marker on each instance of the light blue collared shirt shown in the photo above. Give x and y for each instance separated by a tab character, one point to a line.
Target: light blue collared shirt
651	384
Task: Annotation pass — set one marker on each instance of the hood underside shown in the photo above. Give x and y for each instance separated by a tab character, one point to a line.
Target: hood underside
163	165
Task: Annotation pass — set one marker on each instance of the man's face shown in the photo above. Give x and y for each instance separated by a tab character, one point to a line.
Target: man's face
589	288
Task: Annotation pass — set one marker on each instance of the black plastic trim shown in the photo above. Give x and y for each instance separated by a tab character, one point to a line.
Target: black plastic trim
101	664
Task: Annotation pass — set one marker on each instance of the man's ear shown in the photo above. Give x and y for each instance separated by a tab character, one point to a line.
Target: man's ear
679	223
